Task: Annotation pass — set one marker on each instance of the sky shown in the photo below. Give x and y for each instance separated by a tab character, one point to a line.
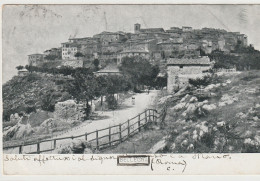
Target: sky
29	29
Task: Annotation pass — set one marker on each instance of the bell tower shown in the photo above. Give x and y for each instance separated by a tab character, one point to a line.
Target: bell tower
137	28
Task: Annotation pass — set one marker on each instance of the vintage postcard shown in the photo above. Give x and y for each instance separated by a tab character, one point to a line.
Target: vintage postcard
139	89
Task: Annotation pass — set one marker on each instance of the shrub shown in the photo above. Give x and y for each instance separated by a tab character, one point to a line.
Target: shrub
204	81
111	102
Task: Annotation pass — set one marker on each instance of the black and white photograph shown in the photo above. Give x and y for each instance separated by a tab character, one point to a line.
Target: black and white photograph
130	79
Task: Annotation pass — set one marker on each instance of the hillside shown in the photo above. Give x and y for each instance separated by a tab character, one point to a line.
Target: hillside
222	117
31	92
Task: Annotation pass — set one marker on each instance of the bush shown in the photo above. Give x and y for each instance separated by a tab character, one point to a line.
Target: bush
204	81
111	102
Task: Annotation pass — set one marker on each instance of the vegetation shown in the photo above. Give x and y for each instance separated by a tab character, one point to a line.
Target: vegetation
51	57
79	54
139	71
20	67
111	102
96	63
42	91
204	81
243	58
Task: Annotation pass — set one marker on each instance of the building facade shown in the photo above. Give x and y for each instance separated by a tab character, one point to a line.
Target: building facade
35	59
132	53
69	50
181	70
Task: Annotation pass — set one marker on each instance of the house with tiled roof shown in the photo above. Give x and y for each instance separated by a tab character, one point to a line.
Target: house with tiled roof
181	70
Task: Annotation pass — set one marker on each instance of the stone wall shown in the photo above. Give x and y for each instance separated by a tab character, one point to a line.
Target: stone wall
179	77
72	63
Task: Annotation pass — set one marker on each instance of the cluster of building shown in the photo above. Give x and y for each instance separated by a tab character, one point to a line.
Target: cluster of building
154	44
182	49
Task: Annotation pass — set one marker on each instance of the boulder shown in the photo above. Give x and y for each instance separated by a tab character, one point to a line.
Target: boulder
18	131
185	98
220	124
195	135
193	99
47	122
209	107
190	109
158	146
209	87
246	134
190	147
228	81
164	99
179	106
221	104
257	105
241	115
69	111
184	143
224	84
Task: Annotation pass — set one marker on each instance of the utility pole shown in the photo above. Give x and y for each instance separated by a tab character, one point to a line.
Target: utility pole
105	18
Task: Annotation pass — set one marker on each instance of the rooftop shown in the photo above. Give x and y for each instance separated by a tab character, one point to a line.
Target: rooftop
35	54
134	51
185	61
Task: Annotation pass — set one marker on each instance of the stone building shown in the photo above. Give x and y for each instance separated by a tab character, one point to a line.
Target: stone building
186	28
181	70
110	36
137	29
168	47
69	49
132	53
22	72
35	59
53	52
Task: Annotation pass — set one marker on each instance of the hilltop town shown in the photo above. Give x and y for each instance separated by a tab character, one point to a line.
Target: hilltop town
155	44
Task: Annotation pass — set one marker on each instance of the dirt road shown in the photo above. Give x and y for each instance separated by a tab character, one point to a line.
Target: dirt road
142	102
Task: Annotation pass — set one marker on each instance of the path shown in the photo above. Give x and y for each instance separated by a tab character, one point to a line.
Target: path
142	102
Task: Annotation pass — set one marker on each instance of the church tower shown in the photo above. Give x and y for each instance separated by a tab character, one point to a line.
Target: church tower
137	28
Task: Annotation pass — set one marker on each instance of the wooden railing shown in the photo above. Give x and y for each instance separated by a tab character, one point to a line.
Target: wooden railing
101	138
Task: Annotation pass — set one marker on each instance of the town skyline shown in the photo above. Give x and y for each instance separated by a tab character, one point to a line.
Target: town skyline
109	18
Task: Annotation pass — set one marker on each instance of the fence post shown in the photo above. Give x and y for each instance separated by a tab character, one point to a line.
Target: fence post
128	128
145	116
149	115
139	123
38	148
86	136
120	134
20	149
109	136
54	144
97	139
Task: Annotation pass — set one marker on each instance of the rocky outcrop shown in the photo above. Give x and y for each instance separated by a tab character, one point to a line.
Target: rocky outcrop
69	111
18	131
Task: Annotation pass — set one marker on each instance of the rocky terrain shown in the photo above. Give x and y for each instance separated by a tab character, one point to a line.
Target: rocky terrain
221	117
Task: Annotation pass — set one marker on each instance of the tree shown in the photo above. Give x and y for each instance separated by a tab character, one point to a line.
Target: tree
139	71
51	57
83	88
20	67
48	101
78	54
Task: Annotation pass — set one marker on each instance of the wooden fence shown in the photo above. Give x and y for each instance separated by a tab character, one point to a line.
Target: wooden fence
98	139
